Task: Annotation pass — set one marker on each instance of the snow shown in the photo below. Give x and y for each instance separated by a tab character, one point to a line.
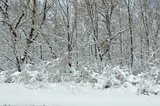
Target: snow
72	95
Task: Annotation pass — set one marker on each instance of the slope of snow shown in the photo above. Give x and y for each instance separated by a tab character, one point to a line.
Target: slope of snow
75	95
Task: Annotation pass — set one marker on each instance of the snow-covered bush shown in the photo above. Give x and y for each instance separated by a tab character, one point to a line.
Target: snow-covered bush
54	77
117	77
154	74
147	85
24	77
7	77
113	77
82	75
102	77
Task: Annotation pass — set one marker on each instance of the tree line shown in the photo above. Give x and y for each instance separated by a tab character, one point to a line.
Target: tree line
80	32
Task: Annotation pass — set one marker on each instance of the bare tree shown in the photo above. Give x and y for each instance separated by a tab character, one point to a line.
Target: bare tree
108	6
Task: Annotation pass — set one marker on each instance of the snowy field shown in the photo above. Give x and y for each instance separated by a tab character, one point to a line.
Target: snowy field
71	95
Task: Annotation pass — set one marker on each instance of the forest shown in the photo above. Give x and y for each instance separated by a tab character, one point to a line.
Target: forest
111	42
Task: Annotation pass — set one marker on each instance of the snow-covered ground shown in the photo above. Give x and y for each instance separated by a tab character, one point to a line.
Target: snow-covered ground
72	95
